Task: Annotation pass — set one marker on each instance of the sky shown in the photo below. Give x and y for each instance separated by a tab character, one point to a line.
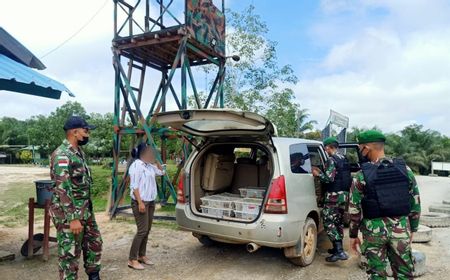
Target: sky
383	63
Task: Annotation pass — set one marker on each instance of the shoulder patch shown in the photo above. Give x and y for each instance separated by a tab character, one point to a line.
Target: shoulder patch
63	161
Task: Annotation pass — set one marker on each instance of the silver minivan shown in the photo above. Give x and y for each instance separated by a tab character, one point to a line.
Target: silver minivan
243	185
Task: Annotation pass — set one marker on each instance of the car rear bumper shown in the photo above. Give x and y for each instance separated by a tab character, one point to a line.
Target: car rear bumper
271	230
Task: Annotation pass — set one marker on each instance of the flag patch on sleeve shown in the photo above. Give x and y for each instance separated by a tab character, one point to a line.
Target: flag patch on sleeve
63	162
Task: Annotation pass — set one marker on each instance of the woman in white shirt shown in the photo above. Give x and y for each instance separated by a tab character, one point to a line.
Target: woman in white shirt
143	191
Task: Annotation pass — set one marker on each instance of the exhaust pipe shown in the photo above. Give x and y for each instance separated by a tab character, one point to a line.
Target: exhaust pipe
252	247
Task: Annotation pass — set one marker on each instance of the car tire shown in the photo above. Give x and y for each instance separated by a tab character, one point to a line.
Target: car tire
309	246
206	241
435	220
419	264
423	234
443	208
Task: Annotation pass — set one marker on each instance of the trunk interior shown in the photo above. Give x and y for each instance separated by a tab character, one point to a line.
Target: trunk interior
230	181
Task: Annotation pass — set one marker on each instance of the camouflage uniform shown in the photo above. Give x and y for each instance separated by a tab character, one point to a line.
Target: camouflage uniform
335	204
387	237
71	201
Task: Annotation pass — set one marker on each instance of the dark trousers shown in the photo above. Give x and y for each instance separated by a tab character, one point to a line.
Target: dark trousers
144	224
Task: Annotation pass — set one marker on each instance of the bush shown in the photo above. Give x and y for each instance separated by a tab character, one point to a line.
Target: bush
25	156
102	179
44	162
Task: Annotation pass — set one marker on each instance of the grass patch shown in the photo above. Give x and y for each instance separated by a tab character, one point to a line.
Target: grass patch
156	223
14	200
100	187
102	182
14	204
167	209
165	224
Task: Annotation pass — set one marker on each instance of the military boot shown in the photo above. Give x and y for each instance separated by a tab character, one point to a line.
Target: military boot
94	276
339	255
332	250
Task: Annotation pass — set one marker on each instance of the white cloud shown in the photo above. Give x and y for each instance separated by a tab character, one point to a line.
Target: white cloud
389	73
389	69
42	25
83	64
372	48
339	6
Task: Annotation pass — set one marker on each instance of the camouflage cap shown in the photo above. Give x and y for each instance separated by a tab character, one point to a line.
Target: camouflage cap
330	140
370	136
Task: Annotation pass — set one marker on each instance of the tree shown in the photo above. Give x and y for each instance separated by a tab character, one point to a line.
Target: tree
256	83
285	113
250	82
100	140
313	135
417	146
47	132
12	132
303	124
420	147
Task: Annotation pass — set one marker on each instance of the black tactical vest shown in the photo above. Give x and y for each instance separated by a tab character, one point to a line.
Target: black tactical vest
386	193
343	177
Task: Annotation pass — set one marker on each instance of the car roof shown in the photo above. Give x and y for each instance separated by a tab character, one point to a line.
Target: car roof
289	141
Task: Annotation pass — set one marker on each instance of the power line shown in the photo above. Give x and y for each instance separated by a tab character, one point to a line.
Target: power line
76	32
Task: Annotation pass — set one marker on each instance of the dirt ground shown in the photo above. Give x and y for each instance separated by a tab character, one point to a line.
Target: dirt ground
178	255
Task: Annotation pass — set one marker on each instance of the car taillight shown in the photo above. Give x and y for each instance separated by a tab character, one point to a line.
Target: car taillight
180	190
276	202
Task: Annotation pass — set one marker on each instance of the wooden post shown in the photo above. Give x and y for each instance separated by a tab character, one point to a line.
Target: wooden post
46	229
30	227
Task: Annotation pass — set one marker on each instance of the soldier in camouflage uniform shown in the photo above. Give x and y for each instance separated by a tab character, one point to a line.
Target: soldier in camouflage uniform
385	206
337	180
71	206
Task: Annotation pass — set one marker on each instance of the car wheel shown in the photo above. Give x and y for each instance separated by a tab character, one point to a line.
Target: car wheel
205	240
308	248
423	234
443	208
435	220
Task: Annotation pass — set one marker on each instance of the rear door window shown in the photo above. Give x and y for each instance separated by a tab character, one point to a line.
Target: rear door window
316	156
299	159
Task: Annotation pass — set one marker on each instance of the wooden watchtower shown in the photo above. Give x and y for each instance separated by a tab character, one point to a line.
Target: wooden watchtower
161	40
